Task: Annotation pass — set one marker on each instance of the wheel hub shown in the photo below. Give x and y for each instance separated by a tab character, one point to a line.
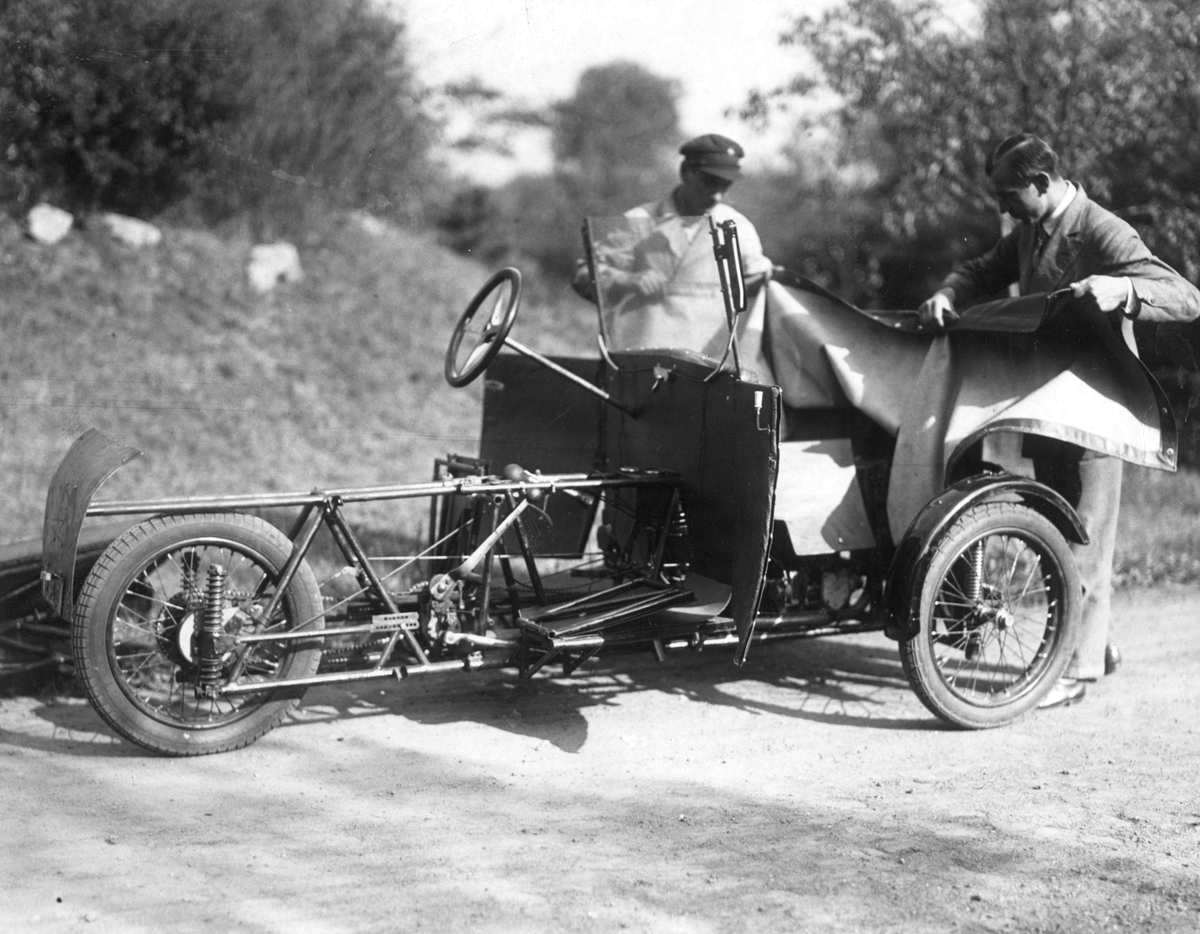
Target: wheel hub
177	634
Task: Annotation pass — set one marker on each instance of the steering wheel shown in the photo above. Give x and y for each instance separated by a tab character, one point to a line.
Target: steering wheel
504	290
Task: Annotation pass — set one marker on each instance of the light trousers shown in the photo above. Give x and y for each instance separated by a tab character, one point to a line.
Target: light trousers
1091	483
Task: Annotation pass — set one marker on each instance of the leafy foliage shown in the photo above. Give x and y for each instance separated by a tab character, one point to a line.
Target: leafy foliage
617	133
1149	551
1112	84
825	217
171	350
614	144
110	103
481	118
330	114
259	106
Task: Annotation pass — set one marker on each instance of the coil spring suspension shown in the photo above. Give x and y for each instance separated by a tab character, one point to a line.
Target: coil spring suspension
677	557
209	656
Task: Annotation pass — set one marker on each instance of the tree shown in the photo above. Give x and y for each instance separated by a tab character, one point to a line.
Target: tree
1112	84
330	113
480	118
111	104
615	137
257	107
614	143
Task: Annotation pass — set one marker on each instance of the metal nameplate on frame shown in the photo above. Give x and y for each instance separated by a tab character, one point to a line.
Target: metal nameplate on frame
409	621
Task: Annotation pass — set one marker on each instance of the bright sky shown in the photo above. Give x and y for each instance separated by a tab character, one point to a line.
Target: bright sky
535	50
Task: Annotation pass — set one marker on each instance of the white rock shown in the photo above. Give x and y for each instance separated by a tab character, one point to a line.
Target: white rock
131	231
48	224
272	263
369	223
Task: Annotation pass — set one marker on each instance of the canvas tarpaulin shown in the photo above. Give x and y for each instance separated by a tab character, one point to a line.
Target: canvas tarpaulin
1041	365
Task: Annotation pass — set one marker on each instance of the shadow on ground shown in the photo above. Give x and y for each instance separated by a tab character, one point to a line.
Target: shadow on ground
853	682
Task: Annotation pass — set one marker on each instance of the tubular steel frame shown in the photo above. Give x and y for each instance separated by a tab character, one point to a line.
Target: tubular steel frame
569	633
503	500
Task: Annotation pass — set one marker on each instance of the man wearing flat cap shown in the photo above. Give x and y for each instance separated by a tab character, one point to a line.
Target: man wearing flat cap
661	292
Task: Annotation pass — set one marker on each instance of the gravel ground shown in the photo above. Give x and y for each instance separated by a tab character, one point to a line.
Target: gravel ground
809	791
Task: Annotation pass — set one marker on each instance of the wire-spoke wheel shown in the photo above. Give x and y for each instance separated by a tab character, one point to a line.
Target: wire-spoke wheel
149	604
999	616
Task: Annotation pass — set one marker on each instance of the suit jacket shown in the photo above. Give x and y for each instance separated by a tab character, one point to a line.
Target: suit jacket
1088	240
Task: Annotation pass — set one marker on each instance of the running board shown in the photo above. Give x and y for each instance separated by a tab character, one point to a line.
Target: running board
606	609
716	631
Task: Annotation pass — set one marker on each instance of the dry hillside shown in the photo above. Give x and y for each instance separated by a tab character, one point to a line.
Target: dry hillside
333	381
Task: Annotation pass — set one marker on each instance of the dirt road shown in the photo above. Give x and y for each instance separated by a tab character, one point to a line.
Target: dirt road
808	792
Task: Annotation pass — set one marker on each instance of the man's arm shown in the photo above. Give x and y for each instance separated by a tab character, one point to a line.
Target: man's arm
581	281
1151	290
985	275
649	282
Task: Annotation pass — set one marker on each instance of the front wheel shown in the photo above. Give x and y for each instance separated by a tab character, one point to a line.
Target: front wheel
149	604
999	617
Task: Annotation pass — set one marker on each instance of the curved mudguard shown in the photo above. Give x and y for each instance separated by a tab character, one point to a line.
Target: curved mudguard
911	560
92	459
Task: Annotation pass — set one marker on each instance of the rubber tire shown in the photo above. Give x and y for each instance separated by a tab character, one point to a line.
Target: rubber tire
106	586
917	654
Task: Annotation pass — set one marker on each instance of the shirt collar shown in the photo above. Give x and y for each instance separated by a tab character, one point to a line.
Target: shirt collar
1051	222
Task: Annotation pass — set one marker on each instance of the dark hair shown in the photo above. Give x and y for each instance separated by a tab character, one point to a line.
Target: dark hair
1027	154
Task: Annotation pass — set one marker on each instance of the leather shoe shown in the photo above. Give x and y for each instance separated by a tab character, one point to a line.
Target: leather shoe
1064	693
1112	658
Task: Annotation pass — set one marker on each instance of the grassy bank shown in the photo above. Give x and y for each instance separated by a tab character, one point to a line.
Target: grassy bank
1159	537
332	381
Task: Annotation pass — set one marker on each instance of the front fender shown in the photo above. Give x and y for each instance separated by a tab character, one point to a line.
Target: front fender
92	459
911	559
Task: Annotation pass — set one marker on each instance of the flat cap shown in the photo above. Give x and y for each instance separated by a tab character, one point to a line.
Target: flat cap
714	154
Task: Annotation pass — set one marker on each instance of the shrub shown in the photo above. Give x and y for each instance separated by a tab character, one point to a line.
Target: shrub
229	106
110	103
331	115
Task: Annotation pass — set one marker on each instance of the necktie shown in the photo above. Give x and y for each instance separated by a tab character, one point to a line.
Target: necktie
1040	236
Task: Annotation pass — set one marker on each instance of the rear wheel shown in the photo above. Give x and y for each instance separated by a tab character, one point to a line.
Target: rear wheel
999	614
136	632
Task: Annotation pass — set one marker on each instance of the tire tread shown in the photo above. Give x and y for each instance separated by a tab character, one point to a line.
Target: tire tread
92	674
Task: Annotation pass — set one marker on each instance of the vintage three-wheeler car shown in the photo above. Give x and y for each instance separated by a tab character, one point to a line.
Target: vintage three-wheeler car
791	466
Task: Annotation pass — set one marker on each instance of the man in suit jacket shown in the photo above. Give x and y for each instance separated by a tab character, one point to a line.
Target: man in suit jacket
1063	239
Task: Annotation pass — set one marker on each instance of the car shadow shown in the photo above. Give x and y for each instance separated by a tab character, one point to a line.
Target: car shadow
820	680
842	681
76	730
